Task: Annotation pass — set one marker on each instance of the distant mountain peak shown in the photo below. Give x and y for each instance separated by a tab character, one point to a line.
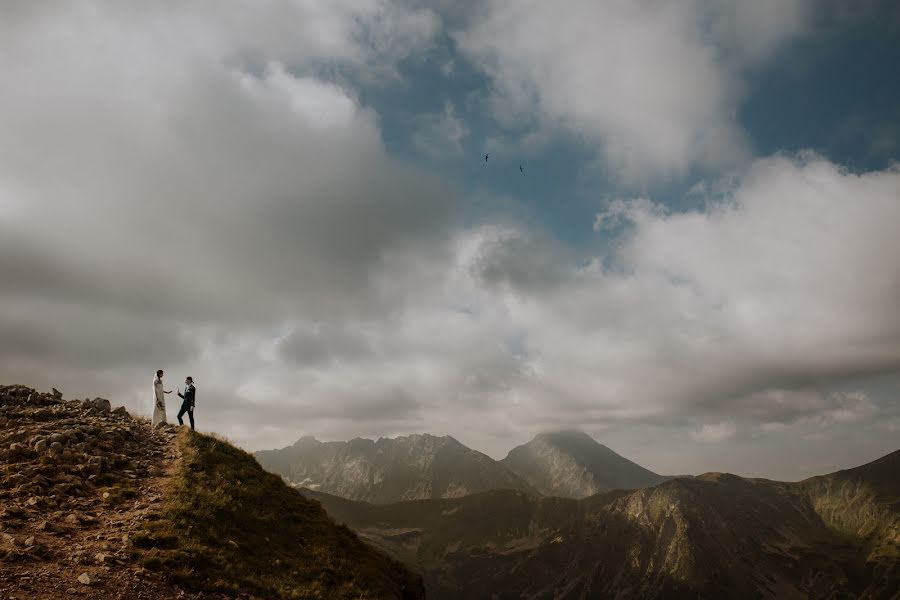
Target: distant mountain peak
564	434
408	467
571	463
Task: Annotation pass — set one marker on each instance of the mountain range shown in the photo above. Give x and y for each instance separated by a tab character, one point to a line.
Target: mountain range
713	536
567	464
390	470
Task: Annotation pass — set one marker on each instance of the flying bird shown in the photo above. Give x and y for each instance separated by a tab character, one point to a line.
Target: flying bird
486	156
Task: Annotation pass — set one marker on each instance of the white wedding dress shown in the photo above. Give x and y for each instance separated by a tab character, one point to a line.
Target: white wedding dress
159	403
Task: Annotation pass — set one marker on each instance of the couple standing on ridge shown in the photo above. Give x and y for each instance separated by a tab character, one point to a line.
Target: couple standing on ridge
159	399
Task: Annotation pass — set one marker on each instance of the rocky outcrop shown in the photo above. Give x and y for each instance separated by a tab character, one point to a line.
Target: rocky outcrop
77	480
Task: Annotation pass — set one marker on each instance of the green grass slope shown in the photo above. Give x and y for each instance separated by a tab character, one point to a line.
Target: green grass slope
227	526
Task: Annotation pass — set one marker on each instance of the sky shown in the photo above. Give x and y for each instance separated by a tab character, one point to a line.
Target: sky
684	241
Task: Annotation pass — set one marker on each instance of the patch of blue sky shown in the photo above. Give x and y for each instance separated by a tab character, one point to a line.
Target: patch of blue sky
834	91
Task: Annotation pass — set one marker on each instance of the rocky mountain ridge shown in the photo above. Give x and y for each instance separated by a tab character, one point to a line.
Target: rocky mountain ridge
390	469
713	536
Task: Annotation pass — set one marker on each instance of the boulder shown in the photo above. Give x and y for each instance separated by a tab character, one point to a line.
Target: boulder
122	412
102	404
57	395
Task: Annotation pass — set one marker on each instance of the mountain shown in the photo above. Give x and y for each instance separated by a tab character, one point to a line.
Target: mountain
864	504
390	470
572	464
96	504
715	536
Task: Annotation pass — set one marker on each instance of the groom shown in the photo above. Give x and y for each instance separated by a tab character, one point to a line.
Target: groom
187	404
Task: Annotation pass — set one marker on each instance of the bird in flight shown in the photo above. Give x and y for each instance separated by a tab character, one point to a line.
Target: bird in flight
486	156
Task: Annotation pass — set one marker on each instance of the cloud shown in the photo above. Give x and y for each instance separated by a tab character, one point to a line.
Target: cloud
440	135
175	185
178	185
654	86
212	196
714	432
780	409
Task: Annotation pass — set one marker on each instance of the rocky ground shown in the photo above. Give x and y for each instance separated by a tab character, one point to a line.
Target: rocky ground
78	480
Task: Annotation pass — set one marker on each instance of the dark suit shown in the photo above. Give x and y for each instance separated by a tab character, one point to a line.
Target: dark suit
187	404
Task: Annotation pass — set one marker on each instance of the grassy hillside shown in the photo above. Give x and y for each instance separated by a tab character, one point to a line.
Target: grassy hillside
228	526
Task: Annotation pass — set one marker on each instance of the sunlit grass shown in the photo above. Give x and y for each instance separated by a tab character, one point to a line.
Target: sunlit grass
228	526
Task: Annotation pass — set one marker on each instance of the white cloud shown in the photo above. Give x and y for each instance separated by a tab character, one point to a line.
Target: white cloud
714	432
654	85
198	194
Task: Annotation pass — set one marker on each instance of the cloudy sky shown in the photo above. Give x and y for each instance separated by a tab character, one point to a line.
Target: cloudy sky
698	262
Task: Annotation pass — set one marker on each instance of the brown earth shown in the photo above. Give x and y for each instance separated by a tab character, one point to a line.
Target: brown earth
77	482
97	504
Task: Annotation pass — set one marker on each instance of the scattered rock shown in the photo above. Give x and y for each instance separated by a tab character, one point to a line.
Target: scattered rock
58	459
122	412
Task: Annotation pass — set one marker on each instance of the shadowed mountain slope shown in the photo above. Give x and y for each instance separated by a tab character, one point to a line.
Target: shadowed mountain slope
573	465
390	470
713	536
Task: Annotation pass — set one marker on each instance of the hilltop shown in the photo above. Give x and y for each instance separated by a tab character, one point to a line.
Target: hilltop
390	469
97	504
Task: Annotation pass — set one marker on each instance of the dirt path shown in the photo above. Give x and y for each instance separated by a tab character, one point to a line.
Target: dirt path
77	483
